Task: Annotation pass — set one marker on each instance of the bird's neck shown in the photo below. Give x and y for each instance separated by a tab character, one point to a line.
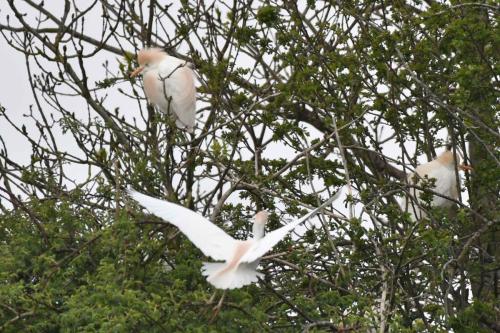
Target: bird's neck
149	69
258	230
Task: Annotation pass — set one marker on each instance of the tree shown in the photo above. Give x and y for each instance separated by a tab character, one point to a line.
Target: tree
296	100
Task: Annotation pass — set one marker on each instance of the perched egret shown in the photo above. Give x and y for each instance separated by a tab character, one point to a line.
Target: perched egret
442	169
169	84
241	258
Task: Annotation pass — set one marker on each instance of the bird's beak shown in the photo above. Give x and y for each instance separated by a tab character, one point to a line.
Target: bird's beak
137	71
464	167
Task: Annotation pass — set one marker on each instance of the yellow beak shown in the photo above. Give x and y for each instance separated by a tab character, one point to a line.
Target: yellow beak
137	71
464	167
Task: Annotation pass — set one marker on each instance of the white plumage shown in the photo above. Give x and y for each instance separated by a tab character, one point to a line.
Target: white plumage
169	84
442	169
241	258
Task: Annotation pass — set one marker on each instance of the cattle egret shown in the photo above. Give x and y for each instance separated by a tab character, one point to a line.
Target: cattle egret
442	169
169	84
241	258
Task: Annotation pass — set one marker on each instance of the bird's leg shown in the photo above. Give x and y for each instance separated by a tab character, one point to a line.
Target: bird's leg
210	301
218	307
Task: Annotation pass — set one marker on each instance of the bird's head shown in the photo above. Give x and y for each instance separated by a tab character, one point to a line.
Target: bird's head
447	158
261	217
147	58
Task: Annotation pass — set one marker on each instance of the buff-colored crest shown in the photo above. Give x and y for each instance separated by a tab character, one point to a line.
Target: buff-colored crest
150	55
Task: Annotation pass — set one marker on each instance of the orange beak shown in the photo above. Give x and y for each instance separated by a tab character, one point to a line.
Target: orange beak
464	167
137	71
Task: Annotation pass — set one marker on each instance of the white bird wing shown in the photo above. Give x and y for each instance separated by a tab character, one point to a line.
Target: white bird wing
179	85
208	237
269	240
446	184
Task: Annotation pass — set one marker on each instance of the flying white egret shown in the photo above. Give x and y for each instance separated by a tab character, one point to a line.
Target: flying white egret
169	84
442	169
241	258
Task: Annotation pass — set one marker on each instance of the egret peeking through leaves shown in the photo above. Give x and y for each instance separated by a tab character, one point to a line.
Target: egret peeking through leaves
241	258
442	169
169	84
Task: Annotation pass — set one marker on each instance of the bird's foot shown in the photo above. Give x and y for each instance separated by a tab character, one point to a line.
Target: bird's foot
217	308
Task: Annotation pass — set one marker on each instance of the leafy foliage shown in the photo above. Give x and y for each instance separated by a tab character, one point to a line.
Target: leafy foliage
296	100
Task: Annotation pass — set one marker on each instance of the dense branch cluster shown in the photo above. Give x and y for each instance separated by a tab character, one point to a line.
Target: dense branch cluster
296	100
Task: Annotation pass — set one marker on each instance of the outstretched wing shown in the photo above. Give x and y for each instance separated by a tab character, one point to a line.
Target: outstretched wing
269	240
208	237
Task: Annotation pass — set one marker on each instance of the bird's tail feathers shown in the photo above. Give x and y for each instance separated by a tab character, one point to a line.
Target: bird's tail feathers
237	277
210	268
